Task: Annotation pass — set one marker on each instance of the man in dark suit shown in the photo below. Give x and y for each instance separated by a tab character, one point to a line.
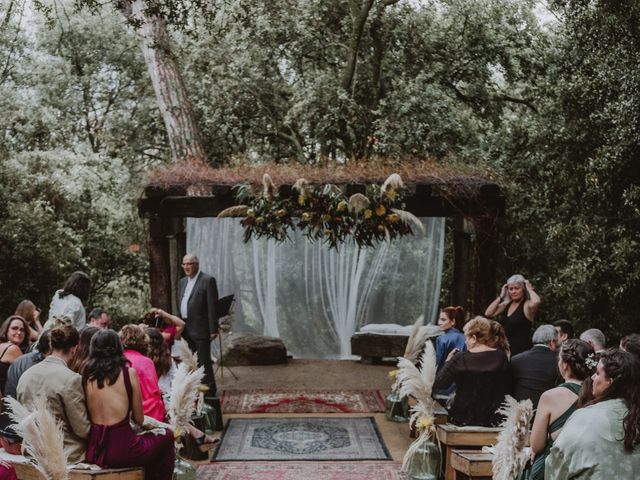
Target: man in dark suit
197	298
536	370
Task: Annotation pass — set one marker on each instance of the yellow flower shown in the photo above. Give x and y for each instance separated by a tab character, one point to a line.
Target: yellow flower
251	213
391	194
380	210
368	213
306	216
259	221
393	373
203	388
325	217
177	433
393	218
381	228
281	213
328	232
342	206
301	200
424	423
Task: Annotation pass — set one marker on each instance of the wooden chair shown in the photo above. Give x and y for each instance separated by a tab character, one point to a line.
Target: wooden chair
453	437
472	464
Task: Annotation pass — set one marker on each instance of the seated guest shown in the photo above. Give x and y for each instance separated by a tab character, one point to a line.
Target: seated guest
27	310
25	362
557	405
600	441
170	325
135	344
595	338
536	370
481	374
631	344
516	308
564	329
160	355
451	322
81	358
13	342
113	399
52	379
99	318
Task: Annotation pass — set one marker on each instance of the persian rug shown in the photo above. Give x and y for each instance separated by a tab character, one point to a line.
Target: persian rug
302	438
302	401
301	470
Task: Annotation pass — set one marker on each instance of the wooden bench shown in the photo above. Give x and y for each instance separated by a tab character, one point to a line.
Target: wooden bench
453	437
472	464
26	471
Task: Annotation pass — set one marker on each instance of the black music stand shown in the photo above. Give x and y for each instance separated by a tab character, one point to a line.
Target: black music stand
223	309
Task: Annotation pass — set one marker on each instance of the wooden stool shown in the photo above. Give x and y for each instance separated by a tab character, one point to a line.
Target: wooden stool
26	471
472	464
453	437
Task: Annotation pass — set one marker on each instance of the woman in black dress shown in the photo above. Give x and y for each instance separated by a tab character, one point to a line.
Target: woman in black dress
481	374
516	307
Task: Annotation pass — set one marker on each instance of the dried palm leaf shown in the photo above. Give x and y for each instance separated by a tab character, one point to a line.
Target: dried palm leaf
268	187
301	186
332	189
184	393
509	456
235	211
187	357
42	437
410	219
418	382
358	202
415	344
393	182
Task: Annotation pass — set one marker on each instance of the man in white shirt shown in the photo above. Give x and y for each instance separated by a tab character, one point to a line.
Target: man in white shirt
197	298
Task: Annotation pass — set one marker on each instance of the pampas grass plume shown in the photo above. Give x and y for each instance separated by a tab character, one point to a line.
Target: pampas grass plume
509	456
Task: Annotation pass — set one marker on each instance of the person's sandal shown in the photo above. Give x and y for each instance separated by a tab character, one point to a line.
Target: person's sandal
206	440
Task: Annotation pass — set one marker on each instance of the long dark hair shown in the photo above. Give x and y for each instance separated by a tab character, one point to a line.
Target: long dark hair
623	369
106	358
81	357
77	284
159	351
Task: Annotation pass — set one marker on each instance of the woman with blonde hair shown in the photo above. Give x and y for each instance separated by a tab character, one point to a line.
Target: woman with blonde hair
481	373
516	307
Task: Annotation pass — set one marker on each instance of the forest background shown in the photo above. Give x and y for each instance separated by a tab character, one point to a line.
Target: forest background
544	98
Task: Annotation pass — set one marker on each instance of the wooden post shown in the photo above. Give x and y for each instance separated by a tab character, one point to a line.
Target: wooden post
487	257
159	270
461	281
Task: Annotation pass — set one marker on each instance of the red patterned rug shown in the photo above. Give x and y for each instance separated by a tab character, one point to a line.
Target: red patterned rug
300	470
302	401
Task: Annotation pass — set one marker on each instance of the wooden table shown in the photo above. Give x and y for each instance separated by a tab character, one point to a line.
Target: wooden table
453	437
475	464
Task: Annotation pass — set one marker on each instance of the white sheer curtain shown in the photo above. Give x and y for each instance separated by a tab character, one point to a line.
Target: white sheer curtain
315	298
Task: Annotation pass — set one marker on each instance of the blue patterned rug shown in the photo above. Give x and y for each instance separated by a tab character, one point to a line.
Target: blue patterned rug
301	438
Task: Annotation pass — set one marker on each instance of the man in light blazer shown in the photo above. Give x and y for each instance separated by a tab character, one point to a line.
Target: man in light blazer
197	298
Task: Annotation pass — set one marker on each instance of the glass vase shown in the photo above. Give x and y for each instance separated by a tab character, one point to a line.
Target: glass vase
396	407
426	461
183	470
209	415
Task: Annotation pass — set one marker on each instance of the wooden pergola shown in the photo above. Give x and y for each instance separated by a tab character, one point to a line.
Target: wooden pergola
474	206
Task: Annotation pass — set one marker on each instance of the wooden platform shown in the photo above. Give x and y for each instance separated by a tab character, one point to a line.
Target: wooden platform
472	464
29	472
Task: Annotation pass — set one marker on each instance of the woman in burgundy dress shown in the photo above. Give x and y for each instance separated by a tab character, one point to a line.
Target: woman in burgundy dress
113	397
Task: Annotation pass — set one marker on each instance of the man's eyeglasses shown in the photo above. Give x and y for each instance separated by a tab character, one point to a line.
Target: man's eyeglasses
189	263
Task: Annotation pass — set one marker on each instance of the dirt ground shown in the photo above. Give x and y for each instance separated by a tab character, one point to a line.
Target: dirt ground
322	374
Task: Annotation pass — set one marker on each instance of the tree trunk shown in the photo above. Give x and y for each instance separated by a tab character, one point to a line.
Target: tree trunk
359	15
176	109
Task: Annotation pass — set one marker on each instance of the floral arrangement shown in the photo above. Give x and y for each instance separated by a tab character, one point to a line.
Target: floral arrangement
326	214
509	454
